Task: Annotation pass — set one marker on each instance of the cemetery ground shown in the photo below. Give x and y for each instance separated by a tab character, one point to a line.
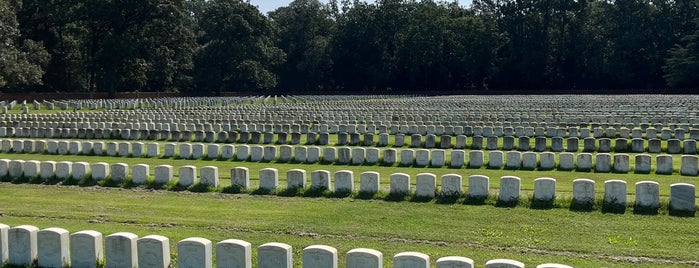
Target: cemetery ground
561	137
481	232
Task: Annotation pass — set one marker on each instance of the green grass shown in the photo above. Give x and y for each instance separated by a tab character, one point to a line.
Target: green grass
533	236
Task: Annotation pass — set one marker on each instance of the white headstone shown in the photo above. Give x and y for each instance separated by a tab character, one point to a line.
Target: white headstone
329	154
3	242
153	149
642	163
422	157
585	161
545	189
438	158
478	186
242	152
475	159
509	189
584	191
121	250
296	178
454	262
119	172
188	175
31	169
16	168
682	197
648	194
53	247
209	176
664	164
320	179
553	265
194	252
140	173
153	251
344	181
411	260
425	185
369	182
457	158
400	183
319	256
274	255
364	258
615	192
86	249
22	244
269	178
163	174
503	263
240	177
689	165
227	152
212	151
358	155
451	185
407	157
621	163
234	253
80	170
64	169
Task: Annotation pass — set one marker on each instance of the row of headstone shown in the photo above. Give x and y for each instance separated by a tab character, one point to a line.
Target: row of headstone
523	143
601	162
271	133
442	106
343	181
56	247
118	172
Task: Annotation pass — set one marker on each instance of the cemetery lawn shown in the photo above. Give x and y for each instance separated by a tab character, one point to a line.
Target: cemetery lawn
582	239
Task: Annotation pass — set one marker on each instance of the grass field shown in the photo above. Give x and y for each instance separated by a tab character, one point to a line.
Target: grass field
480	232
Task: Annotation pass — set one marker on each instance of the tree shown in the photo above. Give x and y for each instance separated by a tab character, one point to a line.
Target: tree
305	32
139	45
682	67
237	48
21	60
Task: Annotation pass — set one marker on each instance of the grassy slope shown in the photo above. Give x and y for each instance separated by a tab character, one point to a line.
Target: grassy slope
480	232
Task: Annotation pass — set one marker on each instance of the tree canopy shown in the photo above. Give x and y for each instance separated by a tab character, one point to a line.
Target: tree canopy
208	47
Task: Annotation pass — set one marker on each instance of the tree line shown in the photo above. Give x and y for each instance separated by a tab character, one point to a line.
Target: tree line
211	46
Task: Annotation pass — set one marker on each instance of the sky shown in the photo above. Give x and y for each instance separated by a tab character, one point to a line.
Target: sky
269	5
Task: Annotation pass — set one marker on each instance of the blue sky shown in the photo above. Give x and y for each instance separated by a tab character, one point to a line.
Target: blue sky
269	5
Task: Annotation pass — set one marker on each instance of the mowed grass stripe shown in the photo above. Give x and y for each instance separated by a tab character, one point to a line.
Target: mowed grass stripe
478	232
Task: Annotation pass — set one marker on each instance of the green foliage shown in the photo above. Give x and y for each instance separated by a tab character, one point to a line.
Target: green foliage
200	47
21	60
237	48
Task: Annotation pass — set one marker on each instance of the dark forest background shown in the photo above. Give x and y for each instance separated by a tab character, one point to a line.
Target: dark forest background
207	47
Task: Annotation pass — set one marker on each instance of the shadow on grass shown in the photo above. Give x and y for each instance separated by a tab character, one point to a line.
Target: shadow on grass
233	189
289	192
421	199
645	210
582	206
475	200
365	195
261	191
316	192
613	207
21	180
449	198
396	196
541	204
340	194
507	204
199	188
